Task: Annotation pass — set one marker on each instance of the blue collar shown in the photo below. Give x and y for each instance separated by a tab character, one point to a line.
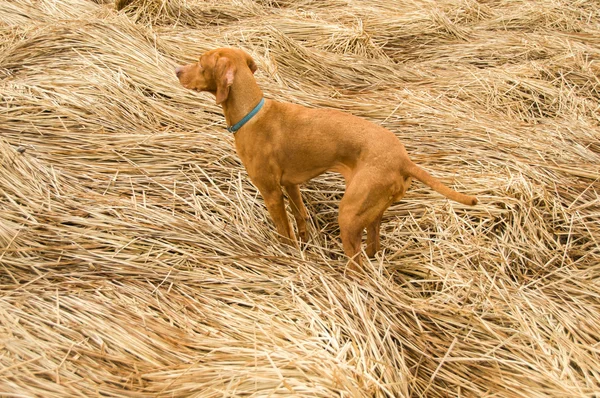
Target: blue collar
233	129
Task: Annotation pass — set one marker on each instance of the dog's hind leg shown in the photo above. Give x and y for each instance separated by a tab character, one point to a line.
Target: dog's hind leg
373	240
362	206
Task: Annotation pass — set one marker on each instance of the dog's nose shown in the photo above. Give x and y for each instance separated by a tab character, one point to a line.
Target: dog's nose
178	70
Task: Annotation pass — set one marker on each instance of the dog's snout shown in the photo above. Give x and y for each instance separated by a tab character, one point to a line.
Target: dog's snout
178	70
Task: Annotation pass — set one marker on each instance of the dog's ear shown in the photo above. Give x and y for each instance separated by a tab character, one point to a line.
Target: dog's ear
251	63
223	74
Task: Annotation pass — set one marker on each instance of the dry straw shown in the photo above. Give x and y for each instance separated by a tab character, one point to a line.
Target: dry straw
136	259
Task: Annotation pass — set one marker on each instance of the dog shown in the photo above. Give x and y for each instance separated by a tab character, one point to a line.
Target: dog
284	145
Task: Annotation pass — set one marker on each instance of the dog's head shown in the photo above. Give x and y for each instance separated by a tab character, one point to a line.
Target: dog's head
215	71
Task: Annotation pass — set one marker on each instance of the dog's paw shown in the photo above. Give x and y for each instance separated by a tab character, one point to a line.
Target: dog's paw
303	236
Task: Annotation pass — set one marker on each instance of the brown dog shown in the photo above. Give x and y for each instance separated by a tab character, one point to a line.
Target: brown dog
283	144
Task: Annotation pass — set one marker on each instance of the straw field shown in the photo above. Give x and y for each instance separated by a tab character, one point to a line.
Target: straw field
137	260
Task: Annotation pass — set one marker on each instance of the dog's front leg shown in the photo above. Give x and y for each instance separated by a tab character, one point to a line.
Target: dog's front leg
300	213
273	197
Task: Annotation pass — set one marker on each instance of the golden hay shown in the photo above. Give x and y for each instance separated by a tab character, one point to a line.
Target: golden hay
136	259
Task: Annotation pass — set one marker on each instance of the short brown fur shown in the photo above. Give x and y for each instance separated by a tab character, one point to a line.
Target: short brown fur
285	144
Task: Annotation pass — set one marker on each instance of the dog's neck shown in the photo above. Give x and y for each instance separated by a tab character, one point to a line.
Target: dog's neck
244	95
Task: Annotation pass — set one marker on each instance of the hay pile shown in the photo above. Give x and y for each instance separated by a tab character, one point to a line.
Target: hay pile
137	260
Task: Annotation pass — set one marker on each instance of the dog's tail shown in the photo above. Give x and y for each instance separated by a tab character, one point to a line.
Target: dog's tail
423	176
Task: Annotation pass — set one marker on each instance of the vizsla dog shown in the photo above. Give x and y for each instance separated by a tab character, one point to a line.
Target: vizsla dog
283	144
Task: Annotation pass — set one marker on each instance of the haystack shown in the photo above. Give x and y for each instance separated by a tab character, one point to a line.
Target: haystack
136	259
